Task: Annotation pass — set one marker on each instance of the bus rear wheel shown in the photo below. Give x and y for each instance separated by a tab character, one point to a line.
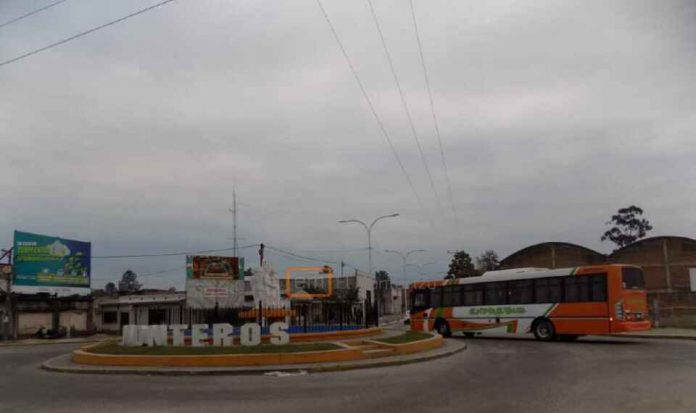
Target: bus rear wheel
543	330
443	328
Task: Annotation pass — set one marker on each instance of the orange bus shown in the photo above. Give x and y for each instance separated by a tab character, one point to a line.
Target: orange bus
560	303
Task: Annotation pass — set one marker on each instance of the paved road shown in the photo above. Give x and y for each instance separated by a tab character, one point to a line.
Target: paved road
494	375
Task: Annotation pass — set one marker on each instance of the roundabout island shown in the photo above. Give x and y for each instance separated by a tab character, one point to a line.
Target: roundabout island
307	352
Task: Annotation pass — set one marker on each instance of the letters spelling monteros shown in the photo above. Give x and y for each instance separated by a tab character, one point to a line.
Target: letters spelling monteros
221	335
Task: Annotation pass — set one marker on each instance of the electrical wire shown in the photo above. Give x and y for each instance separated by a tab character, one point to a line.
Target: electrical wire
435	120
24	16
179	268
81	34
170	254
292	254
371	106
404	104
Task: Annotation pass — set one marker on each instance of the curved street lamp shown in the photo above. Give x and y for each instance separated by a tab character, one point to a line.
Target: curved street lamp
368	228
404	257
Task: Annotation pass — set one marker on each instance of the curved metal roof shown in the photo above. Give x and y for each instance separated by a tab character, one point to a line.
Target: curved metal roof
541	244
643	240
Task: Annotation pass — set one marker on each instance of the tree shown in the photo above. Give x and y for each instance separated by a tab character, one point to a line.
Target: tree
110	288
129	283
171	290
487	261
628	226
248	273
461	266
382	280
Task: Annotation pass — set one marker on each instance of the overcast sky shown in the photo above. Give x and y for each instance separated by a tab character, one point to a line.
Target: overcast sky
552	116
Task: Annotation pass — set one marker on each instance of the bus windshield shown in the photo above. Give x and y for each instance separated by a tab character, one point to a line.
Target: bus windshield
632	279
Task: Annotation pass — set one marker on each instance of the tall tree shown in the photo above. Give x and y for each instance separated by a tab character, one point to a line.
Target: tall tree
461	266
382	279
628	226
129	282
110	288
487	261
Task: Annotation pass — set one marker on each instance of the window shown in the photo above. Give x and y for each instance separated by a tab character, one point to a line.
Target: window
495	293
473	295
109	317
548	290
577	289
632	278
598	287
157	316
520	292
435	297
452	296
420	299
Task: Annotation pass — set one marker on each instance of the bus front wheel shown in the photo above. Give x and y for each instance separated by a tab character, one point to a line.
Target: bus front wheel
543	330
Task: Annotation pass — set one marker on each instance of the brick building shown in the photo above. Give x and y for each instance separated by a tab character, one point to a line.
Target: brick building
669	263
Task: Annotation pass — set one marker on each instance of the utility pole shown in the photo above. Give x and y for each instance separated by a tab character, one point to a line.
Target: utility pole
8	316
233	210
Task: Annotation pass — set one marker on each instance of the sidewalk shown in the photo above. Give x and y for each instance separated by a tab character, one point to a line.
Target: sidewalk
665	332
40	341
64	364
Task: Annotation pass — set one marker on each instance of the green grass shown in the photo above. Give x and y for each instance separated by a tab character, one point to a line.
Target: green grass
407	337
115	348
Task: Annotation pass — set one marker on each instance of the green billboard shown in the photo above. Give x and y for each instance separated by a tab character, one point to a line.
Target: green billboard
45	263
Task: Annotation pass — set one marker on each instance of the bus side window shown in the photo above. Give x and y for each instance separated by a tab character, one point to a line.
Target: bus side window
473	295
555	289
577	289
420	299
495	293
452	296
436	297
541	290
520	292
599	287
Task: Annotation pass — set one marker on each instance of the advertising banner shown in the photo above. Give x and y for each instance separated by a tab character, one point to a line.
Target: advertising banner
200	267
51	264
213	282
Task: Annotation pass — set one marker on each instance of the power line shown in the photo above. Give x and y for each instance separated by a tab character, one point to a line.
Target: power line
170	254
304	257
404	104
24	16
77	36
369	103
180	268
435	121
292	254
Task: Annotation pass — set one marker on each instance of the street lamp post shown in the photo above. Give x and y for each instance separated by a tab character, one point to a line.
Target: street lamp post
368	228
404	257
421	266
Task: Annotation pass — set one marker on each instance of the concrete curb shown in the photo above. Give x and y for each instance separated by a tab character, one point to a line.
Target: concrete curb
653	336
53	342
62	364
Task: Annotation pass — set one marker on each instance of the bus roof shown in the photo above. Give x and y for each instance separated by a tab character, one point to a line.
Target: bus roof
503	275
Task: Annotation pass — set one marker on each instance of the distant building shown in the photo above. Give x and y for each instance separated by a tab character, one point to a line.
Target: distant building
145	308
34	311
669	264
552	255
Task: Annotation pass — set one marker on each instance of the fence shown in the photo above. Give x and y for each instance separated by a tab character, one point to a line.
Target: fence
301	317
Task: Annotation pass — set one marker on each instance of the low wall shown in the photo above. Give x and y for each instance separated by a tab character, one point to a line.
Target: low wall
219	360
434	342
